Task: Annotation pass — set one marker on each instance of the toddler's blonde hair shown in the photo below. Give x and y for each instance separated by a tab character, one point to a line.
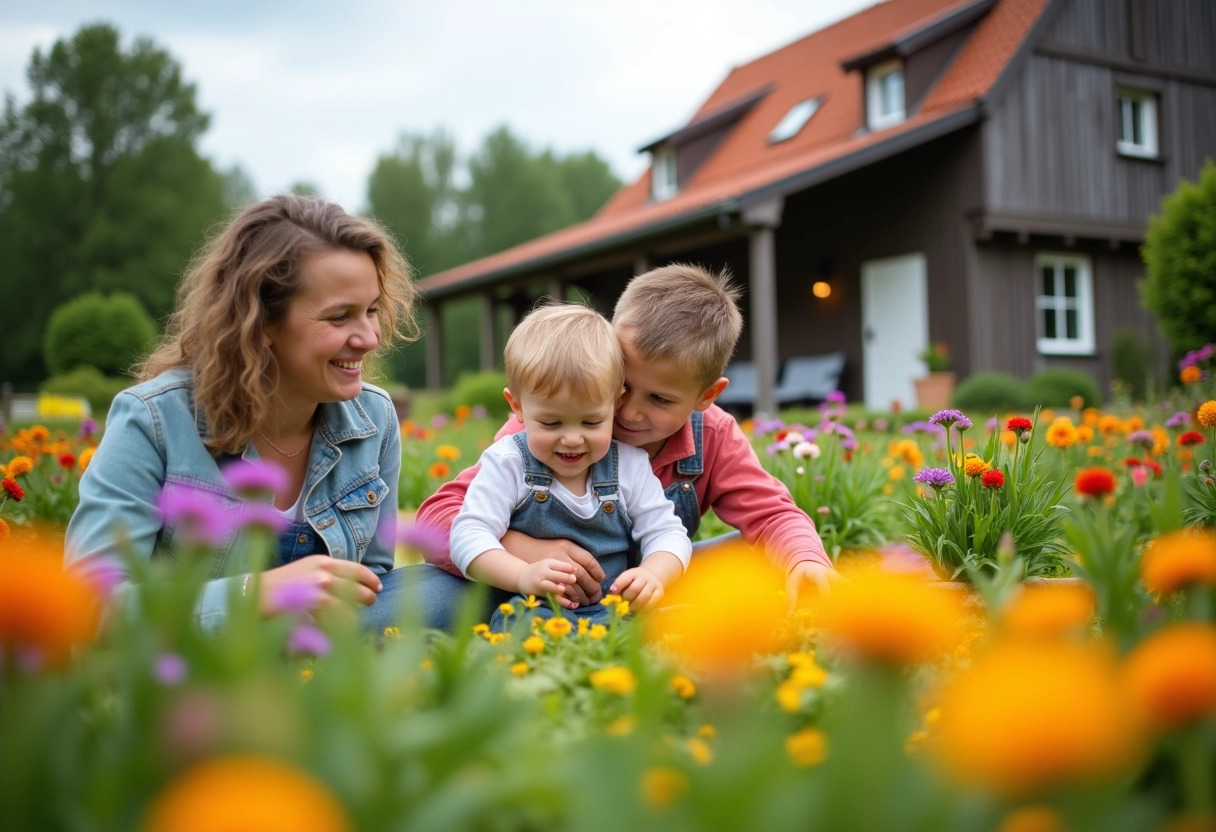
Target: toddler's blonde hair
565	347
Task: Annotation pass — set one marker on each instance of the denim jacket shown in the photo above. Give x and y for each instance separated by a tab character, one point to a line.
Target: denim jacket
154	437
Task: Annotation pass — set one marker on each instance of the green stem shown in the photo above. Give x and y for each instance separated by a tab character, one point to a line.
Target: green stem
1195	771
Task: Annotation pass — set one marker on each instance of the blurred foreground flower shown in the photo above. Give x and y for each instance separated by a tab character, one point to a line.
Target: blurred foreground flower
245	792
1171	675
723	612
44	610
1175	561
1049	610
1031	716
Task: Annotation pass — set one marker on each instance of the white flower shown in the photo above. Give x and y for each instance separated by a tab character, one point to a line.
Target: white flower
800	470
804	449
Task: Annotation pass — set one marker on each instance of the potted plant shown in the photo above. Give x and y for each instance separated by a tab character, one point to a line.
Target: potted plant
933	391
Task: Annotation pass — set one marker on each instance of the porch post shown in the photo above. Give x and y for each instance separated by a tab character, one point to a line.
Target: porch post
762	220
641	265
557	289
434	347
489	339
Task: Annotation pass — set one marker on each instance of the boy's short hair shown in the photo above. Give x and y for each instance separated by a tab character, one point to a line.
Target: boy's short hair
682	312
565	346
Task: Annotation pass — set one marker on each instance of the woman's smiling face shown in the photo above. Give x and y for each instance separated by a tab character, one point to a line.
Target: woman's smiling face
332	322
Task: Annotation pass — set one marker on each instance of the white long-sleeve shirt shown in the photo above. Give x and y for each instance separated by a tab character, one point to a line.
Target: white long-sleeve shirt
499	486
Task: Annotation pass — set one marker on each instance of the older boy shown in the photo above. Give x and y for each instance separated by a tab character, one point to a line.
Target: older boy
565	476
677	326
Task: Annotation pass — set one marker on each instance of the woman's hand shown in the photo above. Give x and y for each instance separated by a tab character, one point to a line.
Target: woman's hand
340	581
588	573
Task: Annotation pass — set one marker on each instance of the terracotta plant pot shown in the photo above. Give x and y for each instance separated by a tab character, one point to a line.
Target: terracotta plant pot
933	391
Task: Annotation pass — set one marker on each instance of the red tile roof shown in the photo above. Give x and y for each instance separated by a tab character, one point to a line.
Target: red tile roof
745	161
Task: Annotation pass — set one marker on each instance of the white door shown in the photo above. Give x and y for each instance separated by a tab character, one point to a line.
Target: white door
895	327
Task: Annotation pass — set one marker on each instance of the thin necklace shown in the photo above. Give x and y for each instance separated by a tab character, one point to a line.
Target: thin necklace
283	452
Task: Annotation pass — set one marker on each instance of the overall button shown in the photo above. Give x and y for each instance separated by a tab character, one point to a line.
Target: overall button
541	496
371	497
685	487
302	538
609	508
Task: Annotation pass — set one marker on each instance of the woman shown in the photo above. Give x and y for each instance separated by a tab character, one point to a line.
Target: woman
263	358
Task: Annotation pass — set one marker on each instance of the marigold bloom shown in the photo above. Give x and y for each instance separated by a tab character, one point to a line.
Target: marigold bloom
534	644
992	479
1031	715
891	617
722	613
1206	417
1095	482
662	787
239	792
15	491
1190	375
19	466
597	632
684	687
974	465
808	747
1019	425
4	530
617	679
1177	560
700	751
448	452
462	412
558	627
45	611
1061	433
1048	611
39	433
1171	675
86	456
520	669
439	470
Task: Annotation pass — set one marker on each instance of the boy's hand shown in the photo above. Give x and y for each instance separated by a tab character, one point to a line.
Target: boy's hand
811	572
587	571
548	576
640	587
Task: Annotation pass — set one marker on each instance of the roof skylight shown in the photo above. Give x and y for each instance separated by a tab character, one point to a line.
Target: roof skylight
794	120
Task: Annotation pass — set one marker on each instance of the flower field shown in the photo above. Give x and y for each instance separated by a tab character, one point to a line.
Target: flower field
1024	639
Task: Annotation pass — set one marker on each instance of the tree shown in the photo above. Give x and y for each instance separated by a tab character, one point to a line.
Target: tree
101	186
106	332
1180	253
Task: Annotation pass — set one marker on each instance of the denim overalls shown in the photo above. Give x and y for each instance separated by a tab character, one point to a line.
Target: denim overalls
683	493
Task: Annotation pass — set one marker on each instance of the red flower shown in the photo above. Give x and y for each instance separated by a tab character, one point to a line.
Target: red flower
1156	467
1191	437
1133	462
67	461
992	479
1019	425
1095	482
13	489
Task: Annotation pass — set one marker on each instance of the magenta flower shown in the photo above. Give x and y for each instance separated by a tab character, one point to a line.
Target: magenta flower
263	515
200	516
1178	419
296	597
428	539
308	640
87	428
949	417
169	669
255	478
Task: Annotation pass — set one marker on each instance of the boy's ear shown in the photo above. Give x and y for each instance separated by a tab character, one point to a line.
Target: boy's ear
711	392
515	408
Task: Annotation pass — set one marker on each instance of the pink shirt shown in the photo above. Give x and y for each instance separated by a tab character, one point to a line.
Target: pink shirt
733	484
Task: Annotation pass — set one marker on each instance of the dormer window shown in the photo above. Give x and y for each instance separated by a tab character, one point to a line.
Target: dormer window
1137	124
794	120
663	182
885	95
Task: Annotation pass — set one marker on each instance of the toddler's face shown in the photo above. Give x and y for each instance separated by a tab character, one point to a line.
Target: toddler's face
659	397
565	432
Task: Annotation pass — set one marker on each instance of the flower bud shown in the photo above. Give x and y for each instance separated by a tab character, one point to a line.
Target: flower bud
1206	466
1024	438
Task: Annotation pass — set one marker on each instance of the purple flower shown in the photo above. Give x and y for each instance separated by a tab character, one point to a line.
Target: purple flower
104	573
479	411
439	420
774	448
881	424
836	397
923	427
765	425
1178	420
950	417
849	443
255	478
1143	438
296	597
426	538
169	669
198	514
263	515
307	640
87	428
938	478
993	424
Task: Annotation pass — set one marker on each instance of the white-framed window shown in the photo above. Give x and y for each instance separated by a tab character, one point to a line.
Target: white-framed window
885	95
1137	123
1065	303
663	183
794	120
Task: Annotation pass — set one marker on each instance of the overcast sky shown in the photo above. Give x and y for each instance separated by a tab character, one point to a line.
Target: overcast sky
316	91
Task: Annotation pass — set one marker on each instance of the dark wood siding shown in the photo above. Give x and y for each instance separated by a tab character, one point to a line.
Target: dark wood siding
1170	32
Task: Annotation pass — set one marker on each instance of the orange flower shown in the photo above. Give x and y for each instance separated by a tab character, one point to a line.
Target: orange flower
240	792
43	608
1033	819
4	530
1048	611
1061	433
1190	374
1177	560
1095	482
1034	715
662	787
86	456
463	412
19	466
1171	675
449	452
439	470
1207	414
38	433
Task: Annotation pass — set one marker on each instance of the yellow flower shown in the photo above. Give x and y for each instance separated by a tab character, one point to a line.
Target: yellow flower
896	473
808	747
530	602
701	753
449	452
1033	819
683	686
534	644
306	674
597	631
662	787
707	731
507	609
622	726
1048	611
19	466
891	617
497	638
609	600
558	627
622	609
1207	414
723	613
974	465
915	742
1177	560
789	696
392	633
1171	675
615	679
239	792
1085	433
1190	374
1030	715
520	669
809	677
1061	433
426	665
86	456
583	626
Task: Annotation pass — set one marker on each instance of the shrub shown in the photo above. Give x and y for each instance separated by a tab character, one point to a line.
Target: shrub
1180	253
89	382
1129	363
1056	388
991	391
106	332
483	389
